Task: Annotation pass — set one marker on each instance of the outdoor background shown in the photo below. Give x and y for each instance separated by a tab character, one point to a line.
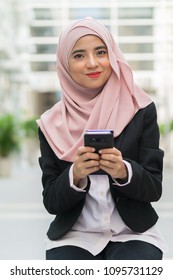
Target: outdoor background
29	85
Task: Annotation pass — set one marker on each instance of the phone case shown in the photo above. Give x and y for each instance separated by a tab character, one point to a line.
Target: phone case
99	139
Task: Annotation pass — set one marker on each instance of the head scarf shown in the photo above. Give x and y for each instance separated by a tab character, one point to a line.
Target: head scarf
80	108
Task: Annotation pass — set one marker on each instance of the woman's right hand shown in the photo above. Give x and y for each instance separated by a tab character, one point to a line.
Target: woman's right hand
86	162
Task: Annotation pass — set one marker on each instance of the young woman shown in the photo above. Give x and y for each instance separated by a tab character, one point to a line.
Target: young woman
106	216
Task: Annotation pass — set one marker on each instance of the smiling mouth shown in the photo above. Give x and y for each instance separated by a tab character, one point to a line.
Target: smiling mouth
94	75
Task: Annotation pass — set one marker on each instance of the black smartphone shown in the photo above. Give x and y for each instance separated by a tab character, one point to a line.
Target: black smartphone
99	139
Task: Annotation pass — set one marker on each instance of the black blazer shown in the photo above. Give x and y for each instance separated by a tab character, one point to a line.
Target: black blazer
139	144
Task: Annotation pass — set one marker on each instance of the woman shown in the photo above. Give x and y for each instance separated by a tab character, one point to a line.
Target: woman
100	216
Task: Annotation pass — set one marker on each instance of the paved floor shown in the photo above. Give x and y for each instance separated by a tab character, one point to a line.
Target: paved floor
24	221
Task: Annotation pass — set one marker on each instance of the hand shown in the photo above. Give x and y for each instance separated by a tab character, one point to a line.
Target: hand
111	161
86	162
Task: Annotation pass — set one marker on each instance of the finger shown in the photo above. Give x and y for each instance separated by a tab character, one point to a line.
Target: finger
87	168
107	164
109	157
110	151
91	156
92	170
91	163
83	150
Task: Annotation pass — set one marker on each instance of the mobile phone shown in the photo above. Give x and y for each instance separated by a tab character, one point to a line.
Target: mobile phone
99	139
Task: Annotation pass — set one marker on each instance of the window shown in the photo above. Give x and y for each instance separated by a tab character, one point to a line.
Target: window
43	66
46	49
135	13
136	47
133	30
42	31
141	65
46	14
96	13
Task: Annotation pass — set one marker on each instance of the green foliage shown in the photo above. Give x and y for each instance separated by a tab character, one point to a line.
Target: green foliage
166	128
9	137
171	125
30	128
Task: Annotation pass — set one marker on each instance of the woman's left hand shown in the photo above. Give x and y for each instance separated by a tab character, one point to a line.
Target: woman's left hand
111	161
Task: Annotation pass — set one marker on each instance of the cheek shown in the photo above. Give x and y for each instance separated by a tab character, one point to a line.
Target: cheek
106	64
108	68
76	68
75	73
71	70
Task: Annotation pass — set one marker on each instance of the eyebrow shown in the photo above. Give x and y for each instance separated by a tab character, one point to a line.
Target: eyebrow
83	50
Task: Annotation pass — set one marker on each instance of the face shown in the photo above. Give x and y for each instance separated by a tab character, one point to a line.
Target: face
89	63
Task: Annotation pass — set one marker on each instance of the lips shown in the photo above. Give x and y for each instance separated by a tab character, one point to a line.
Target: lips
94	74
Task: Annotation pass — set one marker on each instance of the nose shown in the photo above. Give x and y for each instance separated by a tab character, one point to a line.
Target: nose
92	61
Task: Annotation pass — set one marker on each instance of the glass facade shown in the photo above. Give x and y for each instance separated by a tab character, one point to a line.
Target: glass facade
137	47
122	20
45	49
135	13
43	66
44	14
135	30
142	65
42	31
97	13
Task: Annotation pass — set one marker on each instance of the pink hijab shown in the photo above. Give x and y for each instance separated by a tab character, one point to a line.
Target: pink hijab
111	107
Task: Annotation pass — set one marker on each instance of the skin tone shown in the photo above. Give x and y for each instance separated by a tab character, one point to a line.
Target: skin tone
89	67
88	63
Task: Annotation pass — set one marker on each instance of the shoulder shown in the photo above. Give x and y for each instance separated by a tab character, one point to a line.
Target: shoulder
145	119
147	113
150	113
151	108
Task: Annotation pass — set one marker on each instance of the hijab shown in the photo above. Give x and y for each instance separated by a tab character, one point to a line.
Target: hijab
111	107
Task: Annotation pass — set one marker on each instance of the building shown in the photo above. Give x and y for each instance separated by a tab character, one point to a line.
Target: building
143	28
14	80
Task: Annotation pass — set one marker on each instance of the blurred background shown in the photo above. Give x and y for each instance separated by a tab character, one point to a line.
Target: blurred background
29	85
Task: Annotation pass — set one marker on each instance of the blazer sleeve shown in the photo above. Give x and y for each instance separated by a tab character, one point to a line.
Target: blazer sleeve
147	165
58	196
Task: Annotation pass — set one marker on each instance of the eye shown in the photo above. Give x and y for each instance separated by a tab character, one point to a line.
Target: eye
78	56
101	52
